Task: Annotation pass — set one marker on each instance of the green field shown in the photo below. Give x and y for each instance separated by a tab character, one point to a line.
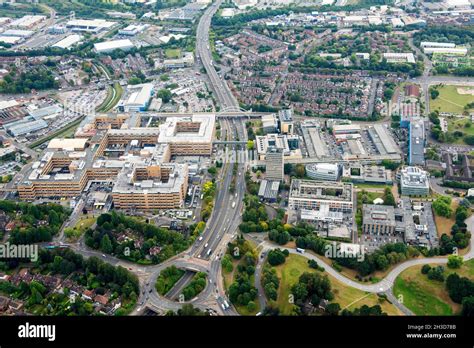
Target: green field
449	100
289	273
346	296
428	297
172	53
458	124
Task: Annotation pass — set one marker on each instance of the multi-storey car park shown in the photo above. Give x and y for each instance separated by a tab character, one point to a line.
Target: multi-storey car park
136	160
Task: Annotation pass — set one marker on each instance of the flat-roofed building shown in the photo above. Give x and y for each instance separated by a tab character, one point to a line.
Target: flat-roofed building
133	29
399	57
425	44
323	171
90	25
28	21
268	190
309	194
151	186
185	61
269	124
285	117
382	140
109	46
68	41
63	144
274	164
138	98
378	219
18	33
346	129
190	135
25	127
288	144
416	142
414	182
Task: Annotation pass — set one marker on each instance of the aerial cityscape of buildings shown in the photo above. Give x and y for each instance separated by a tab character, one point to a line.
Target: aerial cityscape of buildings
215	157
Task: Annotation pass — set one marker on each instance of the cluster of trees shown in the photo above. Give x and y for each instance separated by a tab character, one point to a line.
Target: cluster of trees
313	62
388	198
312	242
433	273
167	278
187	310
254	217
241	291
442	206
227	264
460	236
29	230
381	259
311	287
252	187
282	233
104	237
387	164
91	273
277	256
457	35
270	283
197	284
447	137
24	82
297	170
364	311
461	290
458	184
208	191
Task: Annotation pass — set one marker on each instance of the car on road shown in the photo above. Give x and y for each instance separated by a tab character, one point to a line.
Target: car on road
205	245
104	256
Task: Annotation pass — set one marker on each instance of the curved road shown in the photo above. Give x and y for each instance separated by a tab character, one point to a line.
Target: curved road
386	284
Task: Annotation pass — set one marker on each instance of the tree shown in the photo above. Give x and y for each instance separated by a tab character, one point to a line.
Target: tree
106	244
251	306
468	306
455	261
300	170
434	93
442	206
276	257
165	95
250	145
425	269
436	273
333	308
388	197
